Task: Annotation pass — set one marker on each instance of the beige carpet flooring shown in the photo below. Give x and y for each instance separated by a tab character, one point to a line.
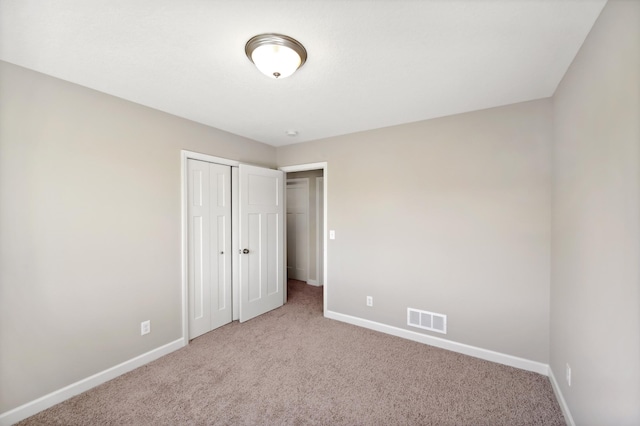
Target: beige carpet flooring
293	367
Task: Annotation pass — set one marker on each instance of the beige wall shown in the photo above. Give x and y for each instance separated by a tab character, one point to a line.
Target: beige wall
89	229
595	293
449	215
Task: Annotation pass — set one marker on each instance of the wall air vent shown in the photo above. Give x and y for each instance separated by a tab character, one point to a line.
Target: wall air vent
427	320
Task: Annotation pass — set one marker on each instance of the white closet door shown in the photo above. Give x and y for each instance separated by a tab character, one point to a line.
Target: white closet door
298	229
261	241
209	212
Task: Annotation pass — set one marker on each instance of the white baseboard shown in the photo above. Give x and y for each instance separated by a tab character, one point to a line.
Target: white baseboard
56	397
313	282
563	404
500	358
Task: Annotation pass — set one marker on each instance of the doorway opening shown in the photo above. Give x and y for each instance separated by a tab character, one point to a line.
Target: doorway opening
306	224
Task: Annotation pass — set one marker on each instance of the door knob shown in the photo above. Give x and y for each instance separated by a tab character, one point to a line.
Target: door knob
245	251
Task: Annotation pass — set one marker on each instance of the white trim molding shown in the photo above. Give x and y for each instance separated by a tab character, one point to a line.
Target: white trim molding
319	227
208	158
303	167
29	409
486	354
563	404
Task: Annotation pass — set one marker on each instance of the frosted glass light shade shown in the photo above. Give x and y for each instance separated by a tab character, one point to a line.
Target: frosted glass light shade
276	55
275	61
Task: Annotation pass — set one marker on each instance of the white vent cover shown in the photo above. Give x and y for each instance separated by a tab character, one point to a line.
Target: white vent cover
427	320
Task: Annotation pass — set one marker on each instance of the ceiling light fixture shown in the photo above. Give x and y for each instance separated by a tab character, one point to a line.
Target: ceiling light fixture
276	55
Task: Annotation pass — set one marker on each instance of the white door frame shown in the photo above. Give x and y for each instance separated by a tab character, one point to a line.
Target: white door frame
319	229
184	184
324	166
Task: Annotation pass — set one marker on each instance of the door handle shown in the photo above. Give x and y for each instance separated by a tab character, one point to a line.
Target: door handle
245	251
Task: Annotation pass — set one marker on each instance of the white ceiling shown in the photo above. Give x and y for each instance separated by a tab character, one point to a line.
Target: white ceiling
371	63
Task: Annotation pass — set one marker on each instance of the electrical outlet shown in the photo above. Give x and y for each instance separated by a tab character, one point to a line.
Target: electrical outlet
568	373
369	301
332	234
145	327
